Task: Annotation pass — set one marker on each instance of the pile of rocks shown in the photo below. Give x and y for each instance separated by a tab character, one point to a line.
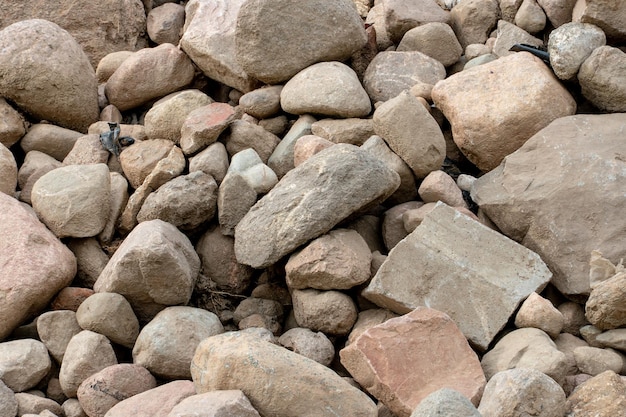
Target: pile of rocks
328	208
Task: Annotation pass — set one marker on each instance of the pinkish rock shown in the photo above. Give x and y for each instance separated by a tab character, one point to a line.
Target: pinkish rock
13	125
439	186
28	286
70	298
441	358
203	126
8	171
139	159
233	403
156	402
307	146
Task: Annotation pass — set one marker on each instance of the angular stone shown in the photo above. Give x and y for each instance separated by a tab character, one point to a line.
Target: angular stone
244	135
56	329
110	315
86	354
369	318
602	78
8	403
139	159
422	148
44	71
28	286
331	312
101	391
517	91
526	348
508	35
326	88
522	392
118	199
559	12
165	23
234	199
270	34
605	14
514	198
12	124
215	404
148	74
570	45
307	343
538	312
574	317
164	259
155	402
473	20
351	130
443	257
87	150
73	200
439	186
295	386
307	146
23	363
204	125
393	229
601	396
401	16
392	72
32	405
8	171
441	358
435	39
212	160
70	298
310	200
281	160
338	260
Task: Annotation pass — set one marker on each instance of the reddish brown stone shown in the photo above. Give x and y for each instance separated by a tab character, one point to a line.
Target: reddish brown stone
70	298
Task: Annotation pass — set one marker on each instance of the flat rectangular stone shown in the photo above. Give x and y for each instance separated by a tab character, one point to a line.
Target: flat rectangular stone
455	264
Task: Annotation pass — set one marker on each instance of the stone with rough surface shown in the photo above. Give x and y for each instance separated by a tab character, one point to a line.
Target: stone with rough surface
445	402
155	402
530	17
56	329
8	402
141	158
440	257
52	140
203	126
165	23
559	12
332	312
310	200
12	124
606	14
307	343
277	382
243	135
593	361
87	150
110	315
473	20
8	171
23	363
400	16
513	195
435	39
539	312
439	186
508	35
569	46
233	403
30	404
512	99
602	78
281	160
441	358
601	396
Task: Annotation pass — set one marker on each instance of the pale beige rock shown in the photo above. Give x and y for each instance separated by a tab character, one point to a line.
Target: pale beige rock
203	126
442	358
376	18
602	78
8	171
538	312
87	150
243	135
148	74
136	131
8	403
73	200
507	103
435	39
165	260
118	200
559	12
351	130
570	45
33	405
473	20
166	117
327	88
432	276
401	16
605	306
34	52
272	62
369	318
307	146
615	339
165	23
331	312
109	63
71	408
52	140
508	35
86	353
594	361
602	396
110	315
56	329
397	121
526	348
530	17
155	402
99	392
297	385
12	124
603	13
393	229
110	114
439	186
212	160
262	102
23	363
412	218
307	343
139	159
214	404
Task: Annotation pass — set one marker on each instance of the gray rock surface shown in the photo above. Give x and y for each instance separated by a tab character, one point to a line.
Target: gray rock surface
445	402
23	363
570	45
602	78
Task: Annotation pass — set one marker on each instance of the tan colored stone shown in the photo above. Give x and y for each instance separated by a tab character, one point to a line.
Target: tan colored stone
12	124
602	78
351	130
155	402
212	160
203	126
508	35
538	312
8	171
111	315
530	17
559	12
307	146
52	140
601	396
139	159
401	16
439	357
331	312
87	150
439	186
243	135
23	363
109	63
593	361
605	14
262	102
56	329
473	20
393	229
232	403
435	39
165	23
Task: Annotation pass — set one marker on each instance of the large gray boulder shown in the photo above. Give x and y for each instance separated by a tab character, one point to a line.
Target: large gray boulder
529	195
310	200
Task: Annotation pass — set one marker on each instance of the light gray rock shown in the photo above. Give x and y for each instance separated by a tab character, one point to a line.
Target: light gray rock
249	165
32	405
214	404
8	403
166	345
111	315
511	200
602	78
263	102
310	200
331	312
508	277
270	33
281	160
518	392
8	171
23	363
296	386
12	126
50	139
570	45
593	361
71	408
73	201
243	135
351	130
402	16
508	35
615	338
445	402
165	260
164	23
435	39
307	343
45	72
326	88
234	199
56	329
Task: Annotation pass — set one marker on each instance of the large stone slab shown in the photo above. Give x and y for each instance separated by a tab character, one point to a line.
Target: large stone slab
456	265
310	200
494	108
275	39
515	195
277	382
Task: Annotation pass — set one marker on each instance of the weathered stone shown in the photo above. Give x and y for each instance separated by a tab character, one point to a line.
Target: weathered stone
570	45
435	39
110	315
87	150
164	259
439	186
510	99
56	329
593	361
212	160
473	20
602	78
393	229
164	24
234	199
35	52
166	117
52	140
530	17
23	363
155	402
327	88
8	171
139	159
307	343
244	135
445	402
601	396
508	35
262	102
70	298
526	348
270	34
148	74
442	358
434	276
249	165
118	199
392	72
573	316
307	146
351	130
12	124
73	200
296	385
8	403
214	404
615	338
538	312
397	121
369	318
204	125
32	405
402	16
270	313
321	192
86	353
109	63
99	392
559	12
331	312
518	392
603	13
514	199
281	160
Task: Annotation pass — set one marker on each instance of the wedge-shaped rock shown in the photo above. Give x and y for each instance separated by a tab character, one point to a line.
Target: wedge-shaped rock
310	200
456	265
515	195
439	357
277	382
512	99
